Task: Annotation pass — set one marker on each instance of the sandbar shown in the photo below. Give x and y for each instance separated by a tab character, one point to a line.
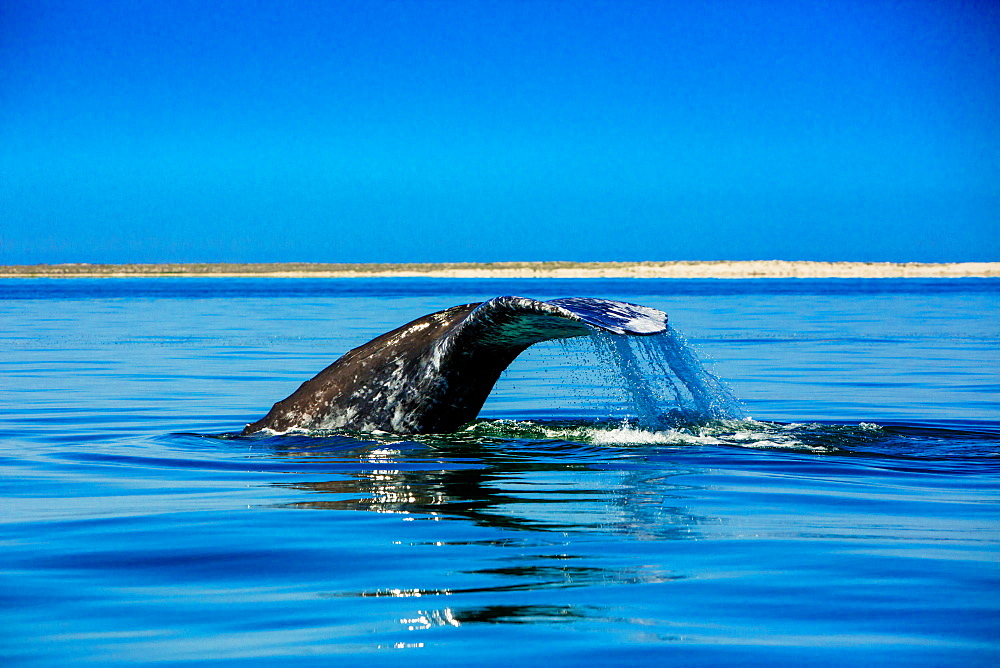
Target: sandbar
676	269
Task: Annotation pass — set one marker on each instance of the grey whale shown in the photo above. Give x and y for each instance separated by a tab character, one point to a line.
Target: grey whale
433	375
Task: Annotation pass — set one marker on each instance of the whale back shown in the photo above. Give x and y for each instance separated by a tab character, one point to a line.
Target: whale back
433	374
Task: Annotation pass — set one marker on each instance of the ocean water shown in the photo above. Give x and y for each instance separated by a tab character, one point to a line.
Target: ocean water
841	508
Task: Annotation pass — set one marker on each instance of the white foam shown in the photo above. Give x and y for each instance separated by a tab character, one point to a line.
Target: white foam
629	436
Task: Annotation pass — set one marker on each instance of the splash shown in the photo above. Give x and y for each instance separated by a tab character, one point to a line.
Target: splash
664	381
740	433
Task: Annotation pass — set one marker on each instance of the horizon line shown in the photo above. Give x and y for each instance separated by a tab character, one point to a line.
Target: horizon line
513	269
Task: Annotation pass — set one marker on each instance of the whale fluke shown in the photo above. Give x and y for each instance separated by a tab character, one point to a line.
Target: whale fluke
434	374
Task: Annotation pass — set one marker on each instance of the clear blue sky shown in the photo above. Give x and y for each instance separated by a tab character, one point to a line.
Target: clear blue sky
378	131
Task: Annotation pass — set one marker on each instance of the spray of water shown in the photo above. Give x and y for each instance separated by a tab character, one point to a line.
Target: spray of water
664	381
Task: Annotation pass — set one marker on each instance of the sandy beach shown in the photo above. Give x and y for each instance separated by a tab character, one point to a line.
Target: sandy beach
715	269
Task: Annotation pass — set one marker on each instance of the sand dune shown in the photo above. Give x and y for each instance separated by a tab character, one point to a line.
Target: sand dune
721	269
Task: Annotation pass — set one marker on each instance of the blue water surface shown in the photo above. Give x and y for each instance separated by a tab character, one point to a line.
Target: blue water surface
853	519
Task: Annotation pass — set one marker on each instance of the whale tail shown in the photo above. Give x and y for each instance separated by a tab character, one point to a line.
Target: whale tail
434	374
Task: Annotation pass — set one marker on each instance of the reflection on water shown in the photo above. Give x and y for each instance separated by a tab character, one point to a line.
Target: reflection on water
547	491
497	614
530	578
572	492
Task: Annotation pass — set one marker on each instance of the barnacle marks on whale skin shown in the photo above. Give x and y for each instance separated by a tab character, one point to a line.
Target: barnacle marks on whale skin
511	322
617	317
517	320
